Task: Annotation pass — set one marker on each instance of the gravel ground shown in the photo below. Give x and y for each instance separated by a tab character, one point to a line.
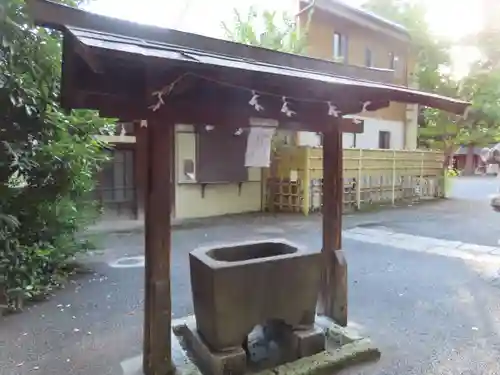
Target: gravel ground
429	314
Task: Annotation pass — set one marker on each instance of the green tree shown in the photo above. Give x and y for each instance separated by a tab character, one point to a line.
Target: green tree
280	31
48	159
481	128
481	87
432	55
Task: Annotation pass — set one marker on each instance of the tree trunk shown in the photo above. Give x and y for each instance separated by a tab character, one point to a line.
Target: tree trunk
448	158
469	161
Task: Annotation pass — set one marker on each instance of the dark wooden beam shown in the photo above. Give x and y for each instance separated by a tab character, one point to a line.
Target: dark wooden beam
348	125
145	164
222	113
333	294
86	54
141	159
158	309
91	75
126	85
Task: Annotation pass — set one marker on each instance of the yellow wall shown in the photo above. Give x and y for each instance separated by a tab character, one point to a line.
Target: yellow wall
321	31
380	175
323	27
218	199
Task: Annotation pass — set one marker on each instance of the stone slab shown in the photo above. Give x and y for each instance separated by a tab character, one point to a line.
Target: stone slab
304	343
345	347
449	252
477	248
232	362
328	362
495	252
454	249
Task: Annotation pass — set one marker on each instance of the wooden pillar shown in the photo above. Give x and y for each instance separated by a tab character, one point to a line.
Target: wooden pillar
141	160
306	189
333	294
157	315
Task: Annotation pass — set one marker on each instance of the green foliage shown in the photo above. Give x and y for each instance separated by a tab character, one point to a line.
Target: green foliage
481	87
48	159
431	54
447	132
450	174
280	31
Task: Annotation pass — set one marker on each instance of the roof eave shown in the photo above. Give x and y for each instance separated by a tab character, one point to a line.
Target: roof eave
50	14
362	18
294	71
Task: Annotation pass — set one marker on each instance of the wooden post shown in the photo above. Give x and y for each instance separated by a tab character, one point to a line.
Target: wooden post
140	171
394	177
157	315
306	181
333	294
360	176
421	180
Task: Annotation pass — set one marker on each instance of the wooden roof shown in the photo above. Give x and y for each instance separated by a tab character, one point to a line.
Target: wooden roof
109	60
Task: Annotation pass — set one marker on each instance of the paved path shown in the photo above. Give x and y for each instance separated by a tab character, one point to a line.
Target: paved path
475	187
418	285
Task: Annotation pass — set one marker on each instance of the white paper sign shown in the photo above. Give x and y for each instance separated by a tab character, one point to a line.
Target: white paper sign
263	122
258	153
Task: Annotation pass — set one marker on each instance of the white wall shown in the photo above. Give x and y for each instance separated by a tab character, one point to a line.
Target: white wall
314	140
368	139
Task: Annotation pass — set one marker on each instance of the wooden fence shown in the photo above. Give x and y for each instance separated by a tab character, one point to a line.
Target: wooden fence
371	177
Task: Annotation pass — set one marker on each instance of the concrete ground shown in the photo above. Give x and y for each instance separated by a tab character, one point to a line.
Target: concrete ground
433	307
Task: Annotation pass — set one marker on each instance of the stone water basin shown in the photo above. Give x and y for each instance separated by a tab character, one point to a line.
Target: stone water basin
238	286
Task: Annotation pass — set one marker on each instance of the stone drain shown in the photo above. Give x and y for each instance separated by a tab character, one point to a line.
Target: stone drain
128	262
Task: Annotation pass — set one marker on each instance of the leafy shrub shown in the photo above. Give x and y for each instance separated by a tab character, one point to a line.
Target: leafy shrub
48	160
449	174
452	172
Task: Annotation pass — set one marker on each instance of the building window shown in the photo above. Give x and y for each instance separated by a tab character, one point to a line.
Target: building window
384	139
115	187
368	58
393	61
340	47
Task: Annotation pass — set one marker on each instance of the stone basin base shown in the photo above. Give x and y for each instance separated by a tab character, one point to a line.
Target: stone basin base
343	348
287	346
